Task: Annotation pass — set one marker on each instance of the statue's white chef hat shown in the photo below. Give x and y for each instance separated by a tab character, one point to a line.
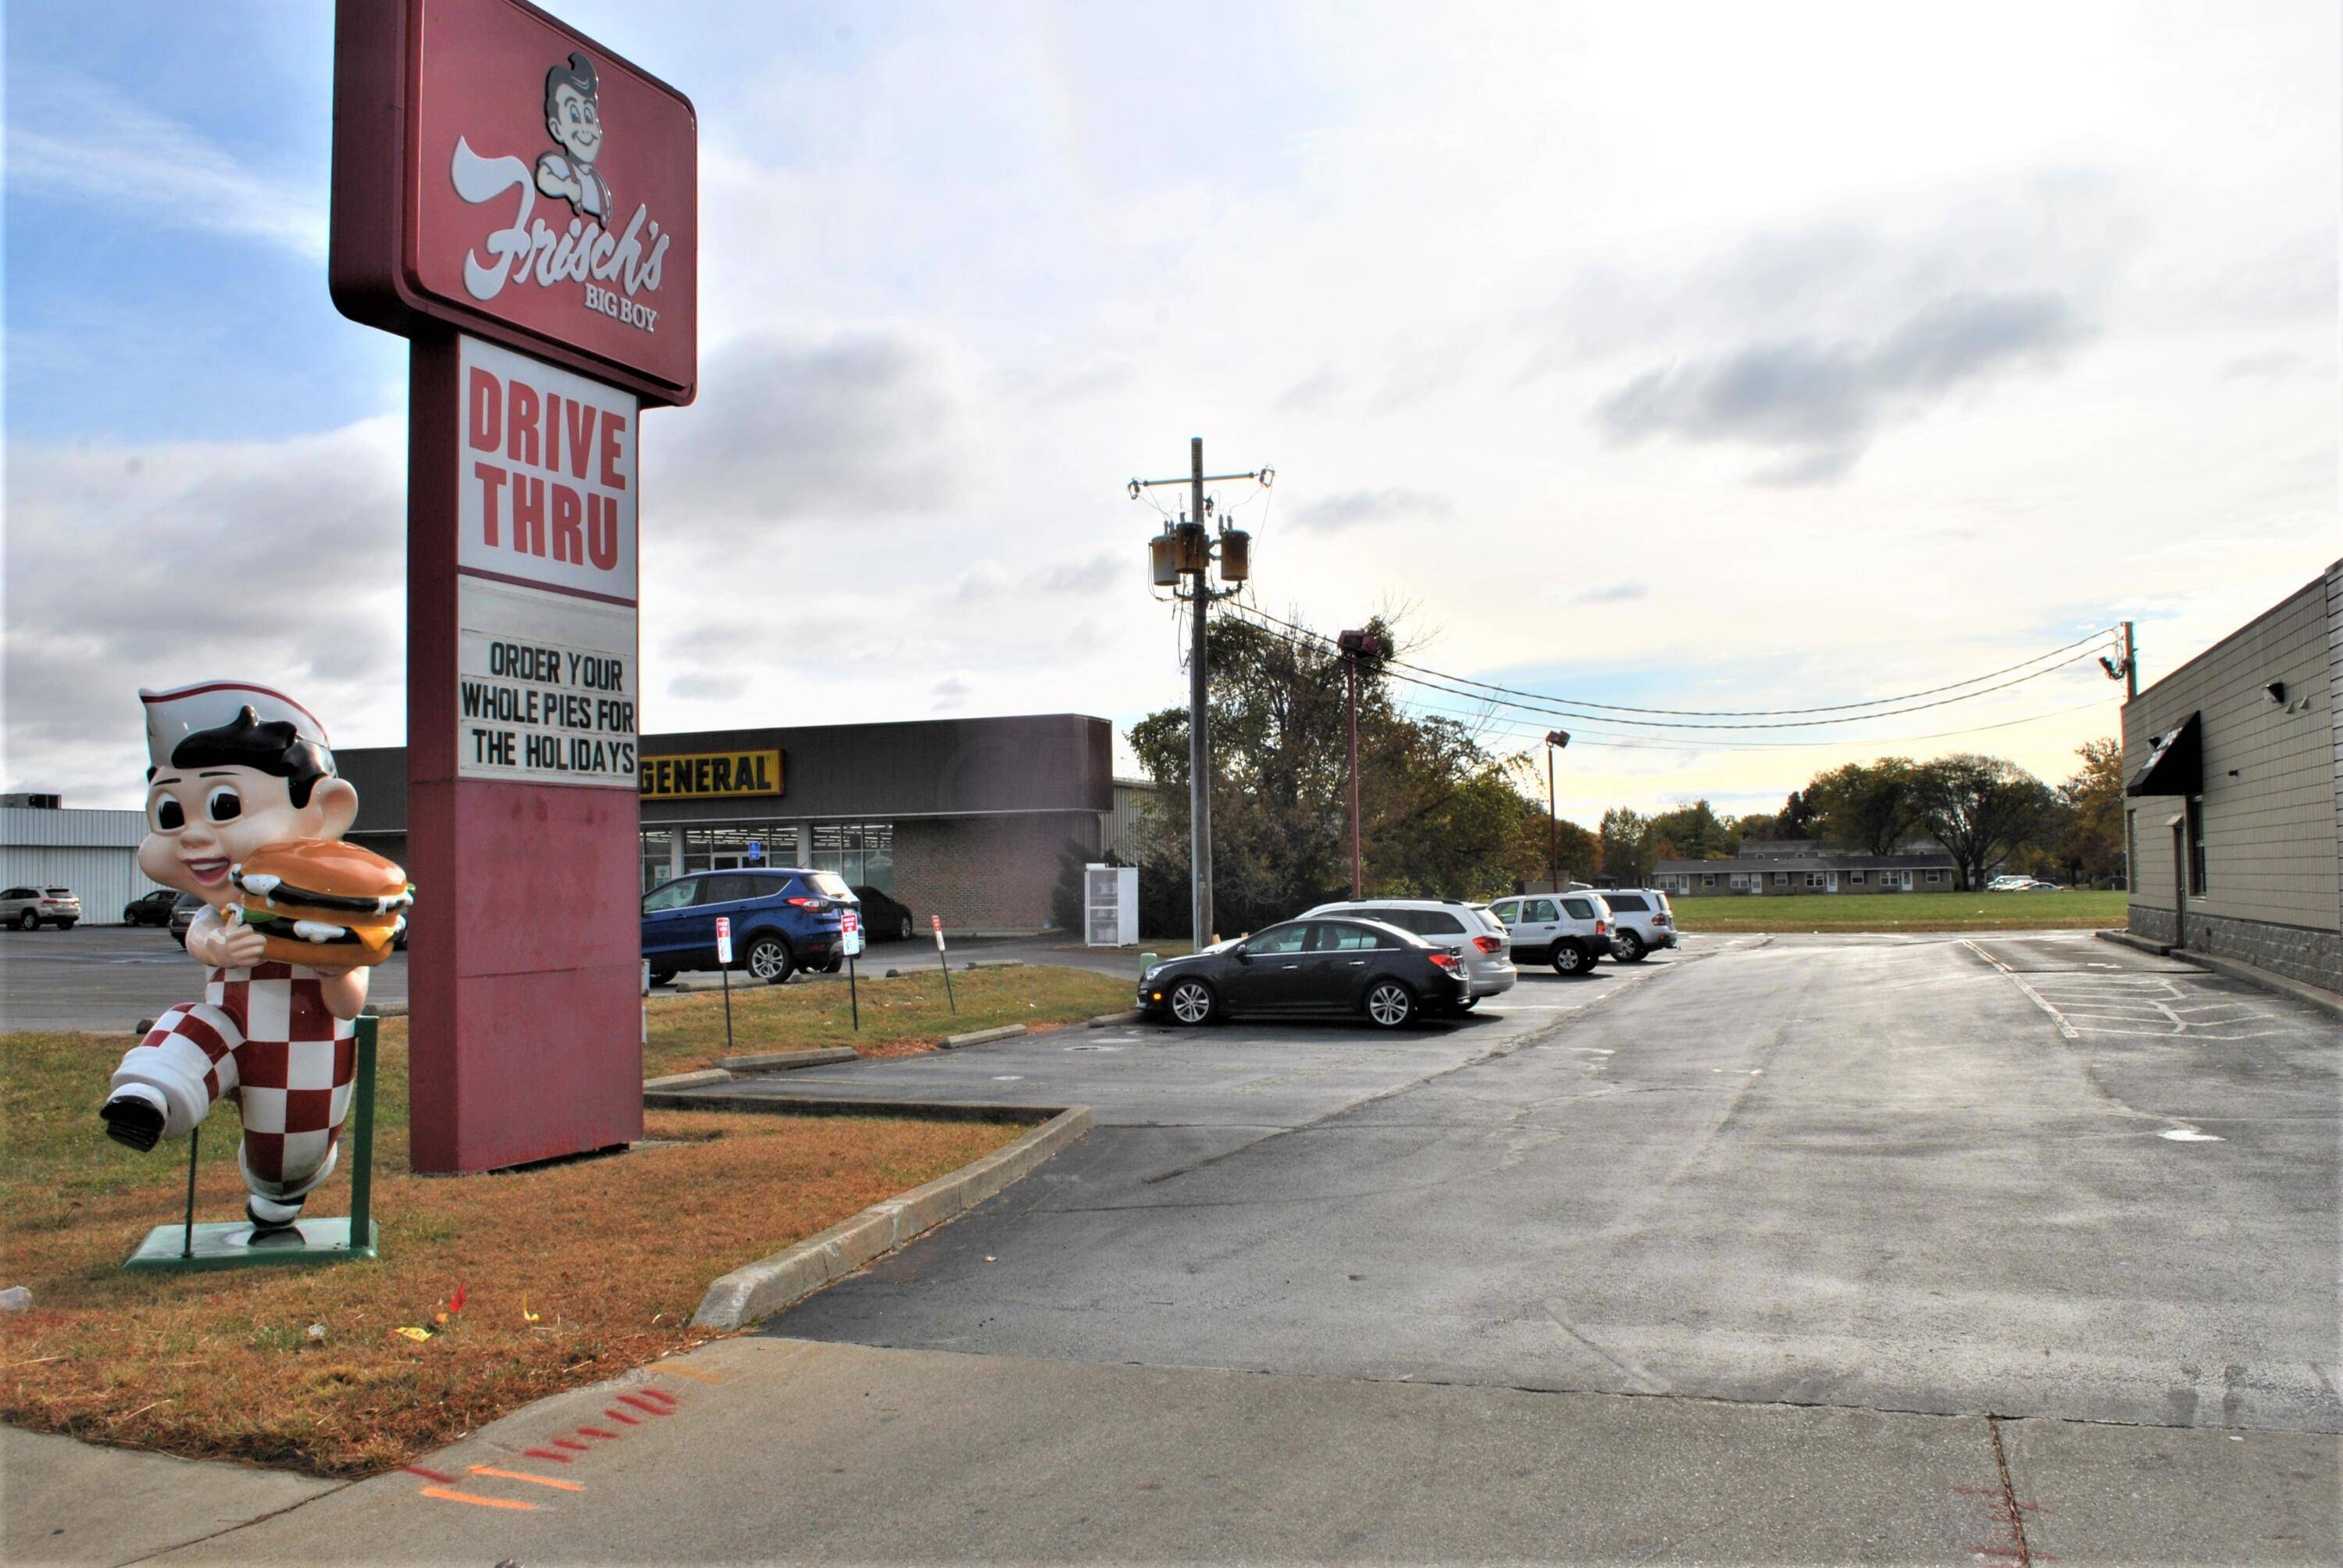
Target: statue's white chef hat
173	716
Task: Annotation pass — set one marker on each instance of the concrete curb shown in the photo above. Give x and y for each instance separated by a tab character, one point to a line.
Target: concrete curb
978	1036
1109	1019
2136	944
786	1060
686	1079
765	1287
2326	1002
759	1102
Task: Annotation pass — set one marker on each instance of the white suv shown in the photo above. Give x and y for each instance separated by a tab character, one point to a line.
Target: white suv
30	909
1478	939
1569	931
1641	920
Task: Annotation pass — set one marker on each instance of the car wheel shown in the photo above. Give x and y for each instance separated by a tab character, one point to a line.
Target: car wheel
66	925
1390	1005
904	933
770	961
1191	1002
1569	958
28	921
661	977
1631	949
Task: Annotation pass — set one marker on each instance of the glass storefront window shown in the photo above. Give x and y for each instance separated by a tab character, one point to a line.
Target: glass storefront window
861	853
725	847
659	855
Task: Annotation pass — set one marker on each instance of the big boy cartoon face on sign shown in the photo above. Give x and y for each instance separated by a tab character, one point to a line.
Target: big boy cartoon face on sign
573	114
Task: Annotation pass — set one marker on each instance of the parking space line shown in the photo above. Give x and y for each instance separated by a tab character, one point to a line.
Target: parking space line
2066	1030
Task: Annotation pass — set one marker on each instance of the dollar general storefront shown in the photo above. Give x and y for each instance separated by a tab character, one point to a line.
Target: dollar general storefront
960	817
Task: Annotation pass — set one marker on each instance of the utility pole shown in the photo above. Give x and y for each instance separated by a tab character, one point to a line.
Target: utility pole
1355	645
1186	551
1555	739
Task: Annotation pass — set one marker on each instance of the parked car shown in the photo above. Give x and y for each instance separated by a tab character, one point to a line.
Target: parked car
150	909
1569	931
1299	968
1470	929
2008	884
184	911
883	920
784	919
1640	921
30	909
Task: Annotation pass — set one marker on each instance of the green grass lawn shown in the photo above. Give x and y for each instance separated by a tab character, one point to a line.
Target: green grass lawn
1899	912
899	1016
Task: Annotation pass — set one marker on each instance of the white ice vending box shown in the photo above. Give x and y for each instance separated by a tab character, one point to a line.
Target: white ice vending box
1109	906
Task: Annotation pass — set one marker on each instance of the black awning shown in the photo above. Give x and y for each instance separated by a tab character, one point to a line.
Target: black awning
2175	764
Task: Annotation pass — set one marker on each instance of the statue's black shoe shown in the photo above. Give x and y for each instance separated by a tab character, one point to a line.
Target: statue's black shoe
132	1121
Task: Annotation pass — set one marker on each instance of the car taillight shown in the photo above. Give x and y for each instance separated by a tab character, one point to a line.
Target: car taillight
1445	960
816	904
1659	920
1488	944
1600	927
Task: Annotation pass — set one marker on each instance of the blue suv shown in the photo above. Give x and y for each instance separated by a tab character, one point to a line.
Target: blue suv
783	919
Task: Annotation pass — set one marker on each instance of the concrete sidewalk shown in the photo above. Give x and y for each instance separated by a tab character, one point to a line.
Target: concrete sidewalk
766	1449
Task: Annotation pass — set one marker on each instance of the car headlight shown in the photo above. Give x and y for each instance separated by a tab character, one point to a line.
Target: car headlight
1150	974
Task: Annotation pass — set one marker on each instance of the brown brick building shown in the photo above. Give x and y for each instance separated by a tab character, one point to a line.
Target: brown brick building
959	817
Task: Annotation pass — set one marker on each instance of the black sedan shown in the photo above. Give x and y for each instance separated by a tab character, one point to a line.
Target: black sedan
883	920
150	909
1306	967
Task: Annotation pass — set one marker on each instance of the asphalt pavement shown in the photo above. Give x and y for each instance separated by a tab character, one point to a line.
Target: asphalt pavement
1782	1248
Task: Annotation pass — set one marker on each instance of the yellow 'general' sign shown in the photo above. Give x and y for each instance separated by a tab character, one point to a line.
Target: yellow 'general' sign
703	775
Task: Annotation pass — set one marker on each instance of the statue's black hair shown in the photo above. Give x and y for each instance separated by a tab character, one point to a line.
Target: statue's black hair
577	73
275	748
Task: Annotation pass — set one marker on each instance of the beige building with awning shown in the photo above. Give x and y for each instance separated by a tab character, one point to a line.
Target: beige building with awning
2233	768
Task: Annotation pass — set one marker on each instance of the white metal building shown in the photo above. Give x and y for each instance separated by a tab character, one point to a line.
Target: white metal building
94	853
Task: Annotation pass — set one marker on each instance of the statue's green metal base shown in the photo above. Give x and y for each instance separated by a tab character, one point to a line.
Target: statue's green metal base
187	1246
233	1246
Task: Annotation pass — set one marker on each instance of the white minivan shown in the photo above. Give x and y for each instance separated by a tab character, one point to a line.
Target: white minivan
1569	931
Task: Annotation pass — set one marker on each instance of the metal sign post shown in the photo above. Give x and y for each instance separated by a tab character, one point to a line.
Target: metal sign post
849	939
937	923
724	967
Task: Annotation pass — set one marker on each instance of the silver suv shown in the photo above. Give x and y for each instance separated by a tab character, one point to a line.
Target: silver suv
30	909
1640	921
1478	939
1569	931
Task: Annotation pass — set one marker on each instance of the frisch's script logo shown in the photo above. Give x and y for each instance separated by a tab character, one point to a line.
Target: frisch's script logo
530	249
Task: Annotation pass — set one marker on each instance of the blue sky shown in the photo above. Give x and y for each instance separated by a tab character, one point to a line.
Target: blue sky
1695	355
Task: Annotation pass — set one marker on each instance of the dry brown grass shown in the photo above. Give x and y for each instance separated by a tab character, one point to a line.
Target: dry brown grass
611	1254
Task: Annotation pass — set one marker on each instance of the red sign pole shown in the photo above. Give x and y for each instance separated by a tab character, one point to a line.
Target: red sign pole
523	205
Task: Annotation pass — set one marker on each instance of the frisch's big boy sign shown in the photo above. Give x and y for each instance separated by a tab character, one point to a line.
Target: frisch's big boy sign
497	171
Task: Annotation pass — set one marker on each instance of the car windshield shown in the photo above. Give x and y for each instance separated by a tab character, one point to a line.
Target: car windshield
189	902
58	892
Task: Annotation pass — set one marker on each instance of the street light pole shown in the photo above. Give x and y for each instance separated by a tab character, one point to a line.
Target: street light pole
1555	739
1355	645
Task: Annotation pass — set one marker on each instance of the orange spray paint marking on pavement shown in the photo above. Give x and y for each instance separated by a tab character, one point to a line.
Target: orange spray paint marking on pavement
454	1496
524	1475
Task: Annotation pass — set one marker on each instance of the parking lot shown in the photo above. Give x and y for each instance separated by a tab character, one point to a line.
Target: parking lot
1883	1173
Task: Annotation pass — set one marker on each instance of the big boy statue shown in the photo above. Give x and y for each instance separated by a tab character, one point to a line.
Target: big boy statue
240	774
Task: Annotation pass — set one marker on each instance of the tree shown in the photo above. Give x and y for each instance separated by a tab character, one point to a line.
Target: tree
1796	820
1439	817
1696	831
1981	809
1758	827
1625	836
1866	807
2092	847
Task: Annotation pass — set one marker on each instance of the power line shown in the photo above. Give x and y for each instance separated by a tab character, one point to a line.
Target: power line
1638	743
1715	712
1459	686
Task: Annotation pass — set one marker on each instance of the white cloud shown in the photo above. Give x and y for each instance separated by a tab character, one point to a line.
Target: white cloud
80	139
